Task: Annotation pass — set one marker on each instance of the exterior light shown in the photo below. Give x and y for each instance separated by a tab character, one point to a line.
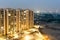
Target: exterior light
24	11
28	37
37	11
26	32
24	18
15	35
9	14
46	37
33	30
2	27
36	26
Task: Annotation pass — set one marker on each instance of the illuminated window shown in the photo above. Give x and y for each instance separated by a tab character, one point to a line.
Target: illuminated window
24	11
9	14
2	27
24	18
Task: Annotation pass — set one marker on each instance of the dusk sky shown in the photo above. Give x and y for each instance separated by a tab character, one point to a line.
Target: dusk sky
32	4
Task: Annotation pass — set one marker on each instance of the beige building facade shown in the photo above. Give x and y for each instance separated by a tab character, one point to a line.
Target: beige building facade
15	20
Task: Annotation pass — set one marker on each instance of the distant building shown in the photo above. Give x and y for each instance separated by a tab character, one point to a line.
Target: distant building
9	21
1	21
15	20
24	19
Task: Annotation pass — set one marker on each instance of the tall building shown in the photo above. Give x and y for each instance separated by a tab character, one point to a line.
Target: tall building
10	21
25	19
16	20
1	21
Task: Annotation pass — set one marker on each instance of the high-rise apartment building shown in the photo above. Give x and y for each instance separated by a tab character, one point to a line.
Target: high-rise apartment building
16	20
1	21
25	19
10	21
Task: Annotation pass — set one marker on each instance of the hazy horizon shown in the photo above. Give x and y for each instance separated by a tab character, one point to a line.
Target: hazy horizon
42	5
